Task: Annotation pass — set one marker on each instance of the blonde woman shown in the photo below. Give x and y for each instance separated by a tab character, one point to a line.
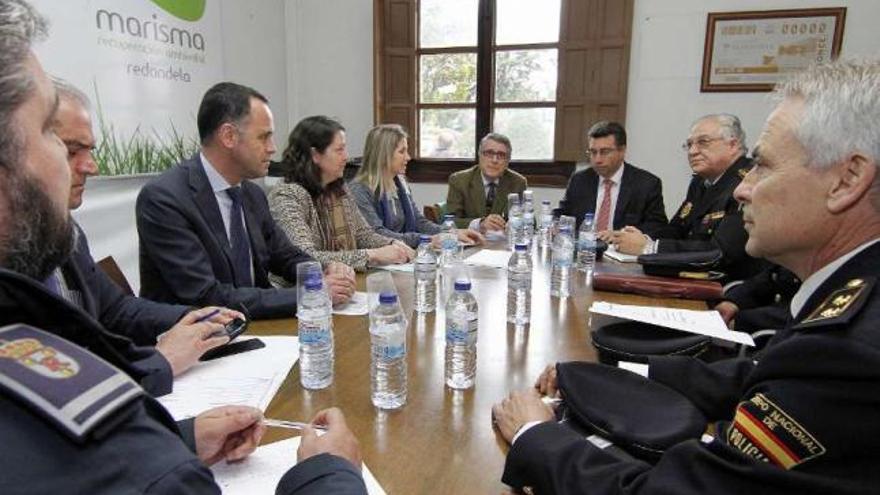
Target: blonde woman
383	196
313	205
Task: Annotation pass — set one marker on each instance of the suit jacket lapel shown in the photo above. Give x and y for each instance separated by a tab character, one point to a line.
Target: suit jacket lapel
478	192
71	269
206	201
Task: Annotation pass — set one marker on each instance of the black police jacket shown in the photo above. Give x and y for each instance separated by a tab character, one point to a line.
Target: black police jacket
799	420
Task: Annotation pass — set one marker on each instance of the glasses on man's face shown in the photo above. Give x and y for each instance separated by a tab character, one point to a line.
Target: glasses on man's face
494	155
701	143
602	152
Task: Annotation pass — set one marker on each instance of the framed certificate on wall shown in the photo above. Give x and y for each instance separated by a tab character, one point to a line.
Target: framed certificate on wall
752	51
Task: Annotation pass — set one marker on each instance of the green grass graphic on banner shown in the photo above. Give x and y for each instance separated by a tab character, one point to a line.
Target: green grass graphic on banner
187	10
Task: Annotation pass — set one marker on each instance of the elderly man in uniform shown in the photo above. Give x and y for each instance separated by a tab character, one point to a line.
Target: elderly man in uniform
74	420
800	418
478	196
709	217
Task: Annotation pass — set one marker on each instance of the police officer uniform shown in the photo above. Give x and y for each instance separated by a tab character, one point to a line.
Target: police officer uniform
799	420
76	421
709	218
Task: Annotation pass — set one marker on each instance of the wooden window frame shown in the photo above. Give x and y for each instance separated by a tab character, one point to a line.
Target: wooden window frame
576	108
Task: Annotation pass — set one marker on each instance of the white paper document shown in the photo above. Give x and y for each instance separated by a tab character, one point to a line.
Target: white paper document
403	267
261	471
638	368
249	379
707	323
492	258
620	257
355	306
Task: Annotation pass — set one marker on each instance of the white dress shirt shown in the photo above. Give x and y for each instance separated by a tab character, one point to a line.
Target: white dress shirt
224	202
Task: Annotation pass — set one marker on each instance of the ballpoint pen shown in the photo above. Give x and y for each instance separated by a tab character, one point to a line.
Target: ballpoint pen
213	312
294	425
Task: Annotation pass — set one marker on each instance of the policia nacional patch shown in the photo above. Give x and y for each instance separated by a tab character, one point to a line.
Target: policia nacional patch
763	431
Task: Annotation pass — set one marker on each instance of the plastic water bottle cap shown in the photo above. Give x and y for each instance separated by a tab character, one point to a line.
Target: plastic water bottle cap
387	298
424	239
520	247
449	216
545	201
314	283
588	216
462	285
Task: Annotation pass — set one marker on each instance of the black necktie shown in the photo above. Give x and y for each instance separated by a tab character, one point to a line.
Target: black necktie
241	248
490	196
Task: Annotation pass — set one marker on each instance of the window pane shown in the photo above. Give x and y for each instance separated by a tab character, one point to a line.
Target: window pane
527	21
526	75
448	23
448	78
530	131
447	133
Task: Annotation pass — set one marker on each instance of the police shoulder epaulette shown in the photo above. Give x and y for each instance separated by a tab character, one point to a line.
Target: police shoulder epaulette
65	384
840	305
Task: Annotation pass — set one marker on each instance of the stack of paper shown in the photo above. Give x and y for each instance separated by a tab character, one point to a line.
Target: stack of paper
261	471
492	258
403	267
248	379
707	323
356	306
620	257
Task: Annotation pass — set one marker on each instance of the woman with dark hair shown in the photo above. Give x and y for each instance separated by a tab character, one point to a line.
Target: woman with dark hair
313	205
383	195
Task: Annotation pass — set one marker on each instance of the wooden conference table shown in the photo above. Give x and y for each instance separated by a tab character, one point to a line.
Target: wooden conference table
442	440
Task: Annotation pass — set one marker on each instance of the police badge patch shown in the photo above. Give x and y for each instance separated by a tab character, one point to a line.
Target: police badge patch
685	210
763	431
62	382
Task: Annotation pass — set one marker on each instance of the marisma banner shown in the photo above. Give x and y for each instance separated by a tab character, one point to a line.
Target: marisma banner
145	64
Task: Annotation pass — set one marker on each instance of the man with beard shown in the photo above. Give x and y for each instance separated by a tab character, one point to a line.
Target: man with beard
800	417
73	418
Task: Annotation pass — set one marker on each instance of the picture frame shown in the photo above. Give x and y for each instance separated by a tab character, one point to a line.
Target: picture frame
752	51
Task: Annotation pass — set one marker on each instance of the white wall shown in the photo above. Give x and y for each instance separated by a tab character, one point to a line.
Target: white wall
664	78
254	46
330	64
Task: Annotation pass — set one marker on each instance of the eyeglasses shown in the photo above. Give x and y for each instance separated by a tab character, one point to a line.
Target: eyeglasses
496	155
701	143
603	152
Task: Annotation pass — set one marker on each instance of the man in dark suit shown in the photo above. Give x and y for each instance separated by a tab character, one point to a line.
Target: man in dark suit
74	418
81	282
478	196
709	218
206	235
616	192
800	417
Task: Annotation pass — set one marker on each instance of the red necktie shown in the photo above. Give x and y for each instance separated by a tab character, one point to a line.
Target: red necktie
605	208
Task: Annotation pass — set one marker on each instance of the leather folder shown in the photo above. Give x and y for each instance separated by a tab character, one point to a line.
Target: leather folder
647	285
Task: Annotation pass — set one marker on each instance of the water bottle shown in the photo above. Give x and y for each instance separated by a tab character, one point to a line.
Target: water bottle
561	257
528	215
514	220
425	276
586	246
461	336
448	240
388	363
546	223
315	324
519	285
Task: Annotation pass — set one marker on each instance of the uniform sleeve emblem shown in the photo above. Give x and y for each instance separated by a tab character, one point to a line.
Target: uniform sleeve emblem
763	431
32	354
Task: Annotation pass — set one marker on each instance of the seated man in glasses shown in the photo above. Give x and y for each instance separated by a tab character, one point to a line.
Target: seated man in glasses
478	196
709	218
616	192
